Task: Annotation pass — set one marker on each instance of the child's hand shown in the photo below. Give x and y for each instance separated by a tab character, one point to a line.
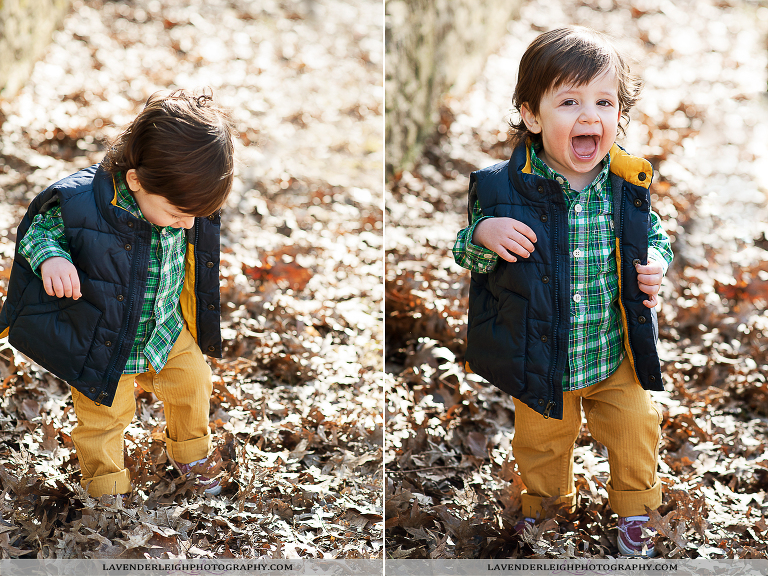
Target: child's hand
60	278
506	237
649	279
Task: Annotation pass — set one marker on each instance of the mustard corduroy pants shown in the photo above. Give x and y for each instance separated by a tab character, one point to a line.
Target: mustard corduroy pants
183	385
621	415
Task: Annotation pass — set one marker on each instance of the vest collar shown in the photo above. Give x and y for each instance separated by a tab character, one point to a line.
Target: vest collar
105	194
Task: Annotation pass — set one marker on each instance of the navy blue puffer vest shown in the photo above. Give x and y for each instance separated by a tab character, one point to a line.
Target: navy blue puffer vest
519	317
86	342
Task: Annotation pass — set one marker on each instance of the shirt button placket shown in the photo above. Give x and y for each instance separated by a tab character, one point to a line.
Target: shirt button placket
580	261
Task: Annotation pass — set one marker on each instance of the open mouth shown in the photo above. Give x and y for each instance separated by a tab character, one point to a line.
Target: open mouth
585	146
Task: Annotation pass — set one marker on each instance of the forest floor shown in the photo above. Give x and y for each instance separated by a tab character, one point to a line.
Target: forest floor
453	489
296	405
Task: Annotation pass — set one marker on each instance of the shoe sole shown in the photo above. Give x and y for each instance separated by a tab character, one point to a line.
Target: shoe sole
650	553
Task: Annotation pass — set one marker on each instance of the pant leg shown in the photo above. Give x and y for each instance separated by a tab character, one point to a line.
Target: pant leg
98	439
184	386
621	415
543	449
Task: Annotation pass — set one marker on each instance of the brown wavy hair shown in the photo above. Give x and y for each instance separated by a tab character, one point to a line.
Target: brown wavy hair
181	148
572	55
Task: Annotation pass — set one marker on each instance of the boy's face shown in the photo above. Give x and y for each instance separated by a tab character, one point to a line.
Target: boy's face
578	126
157	209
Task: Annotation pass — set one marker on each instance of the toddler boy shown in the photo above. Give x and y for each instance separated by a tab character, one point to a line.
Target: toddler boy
567	258
115	280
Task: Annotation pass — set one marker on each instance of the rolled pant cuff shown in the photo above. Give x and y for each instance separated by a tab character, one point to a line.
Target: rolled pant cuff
114	483
188	450
531	504
633	502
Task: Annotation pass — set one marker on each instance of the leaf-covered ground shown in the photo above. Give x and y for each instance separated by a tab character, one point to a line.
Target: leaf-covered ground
453	490
296	405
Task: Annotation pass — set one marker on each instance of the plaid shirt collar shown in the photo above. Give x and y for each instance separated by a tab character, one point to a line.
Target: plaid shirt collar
541	169
126	201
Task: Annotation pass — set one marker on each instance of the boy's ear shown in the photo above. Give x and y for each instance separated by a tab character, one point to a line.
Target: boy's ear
132	179
530	120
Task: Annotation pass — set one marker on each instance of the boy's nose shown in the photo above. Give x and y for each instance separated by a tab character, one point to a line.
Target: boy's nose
589	114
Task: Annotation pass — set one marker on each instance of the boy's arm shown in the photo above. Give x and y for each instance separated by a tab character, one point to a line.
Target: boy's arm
650	275
465	253
45	239
659	246
45	248
471	256
480	245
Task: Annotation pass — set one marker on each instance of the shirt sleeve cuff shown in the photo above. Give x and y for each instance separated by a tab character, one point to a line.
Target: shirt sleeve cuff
485	259
41	255
656	256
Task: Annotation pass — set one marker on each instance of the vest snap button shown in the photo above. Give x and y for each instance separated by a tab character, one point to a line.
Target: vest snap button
641	319
209	264
641	176
211	217
544	338
211	307
638	202
108	343
130	224
541	189
545	279
541	402
127	246
544	218
92	390
636	262
211	349
652	378
120	298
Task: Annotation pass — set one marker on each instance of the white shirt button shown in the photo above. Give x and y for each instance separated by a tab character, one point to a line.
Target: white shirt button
578	253
577	298
559	180
578	208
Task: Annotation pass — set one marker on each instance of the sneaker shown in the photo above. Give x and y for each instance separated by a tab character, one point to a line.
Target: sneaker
211	485
522	525
631	540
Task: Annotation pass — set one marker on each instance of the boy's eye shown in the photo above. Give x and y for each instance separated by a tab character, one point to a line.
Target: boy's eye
605	103
569	102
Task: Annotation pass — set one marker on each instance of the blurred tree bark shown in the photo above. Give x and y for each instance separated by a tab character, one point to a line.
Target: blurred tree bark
26	27
433	46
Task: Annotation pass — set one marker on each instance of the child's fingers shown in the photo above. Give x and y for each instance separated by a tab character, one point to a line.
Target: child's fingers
48	285
526	231
649	279
505	253
523	241
652	269
75	281
58	287
66	284
651	302
515	247
649	289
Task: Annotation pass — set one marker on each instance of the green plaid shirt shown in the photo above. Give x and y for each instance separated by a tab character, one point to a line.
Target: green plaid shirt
595	342
161	321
